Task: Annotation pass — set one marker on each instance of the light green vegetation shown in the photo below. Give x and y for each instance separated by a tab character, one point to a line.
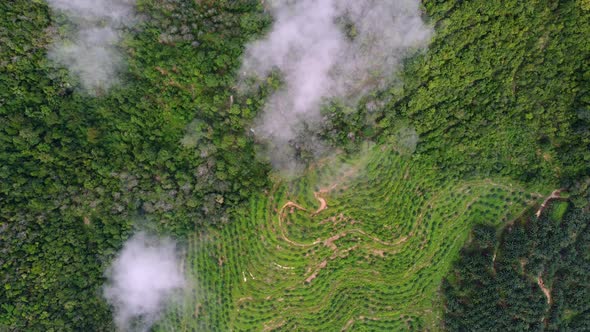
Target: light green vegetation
372	259
499	98
558	210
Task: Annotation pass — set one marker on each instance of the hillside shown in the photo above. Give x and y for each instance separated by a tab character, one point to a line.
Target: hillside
345	187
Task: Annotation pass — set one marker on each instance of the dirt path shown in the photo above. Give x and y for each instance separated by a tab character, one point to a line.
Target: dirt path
545	290
315	273
273	324
318	195
245	299
554	195
284	236
348	174
292	204
329	241
323	203
494	261
348	324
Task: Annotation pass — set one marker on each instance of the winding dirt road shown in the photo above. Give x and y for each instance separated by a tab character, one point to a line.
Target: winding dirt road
545	290
554	195
323	203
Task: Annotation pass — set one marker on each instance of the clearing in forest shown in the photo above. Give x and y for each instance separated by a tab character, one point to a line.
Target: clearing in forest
359	244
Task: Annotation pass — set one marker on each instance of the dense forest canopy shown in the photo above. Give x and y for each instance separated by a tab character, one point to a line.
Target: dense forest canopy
501	91
534	276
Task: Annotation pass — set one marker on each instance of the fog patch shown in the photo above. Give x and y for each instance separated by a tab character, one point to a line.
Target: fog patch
90	52
143	280
405	139
327	50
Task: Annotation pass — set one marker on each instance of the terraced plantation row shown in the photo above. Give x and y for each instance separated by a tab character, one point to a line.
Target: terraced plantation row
354	245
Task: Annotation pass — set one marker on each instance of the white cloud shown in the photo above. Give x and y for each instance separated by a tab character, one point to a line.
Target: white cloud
91	53
319	60
142	280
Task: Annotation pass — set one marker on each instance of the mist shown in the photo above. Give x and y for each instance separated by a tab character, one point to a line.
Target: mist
90	52
327	50
142	281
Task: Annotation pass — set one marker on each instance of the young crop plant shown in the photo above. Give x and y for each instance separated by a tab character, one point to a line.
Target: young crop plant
174	117
361	243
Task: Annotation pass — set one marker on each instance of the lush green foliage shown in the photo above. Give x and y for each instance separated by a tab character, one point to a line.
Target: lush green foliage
502	93
502	89
497	283
356	244
75	171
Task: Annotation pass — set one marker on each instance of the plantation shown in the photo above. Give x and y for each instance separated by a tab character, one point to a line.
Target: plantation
356	244
534	276
418	212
